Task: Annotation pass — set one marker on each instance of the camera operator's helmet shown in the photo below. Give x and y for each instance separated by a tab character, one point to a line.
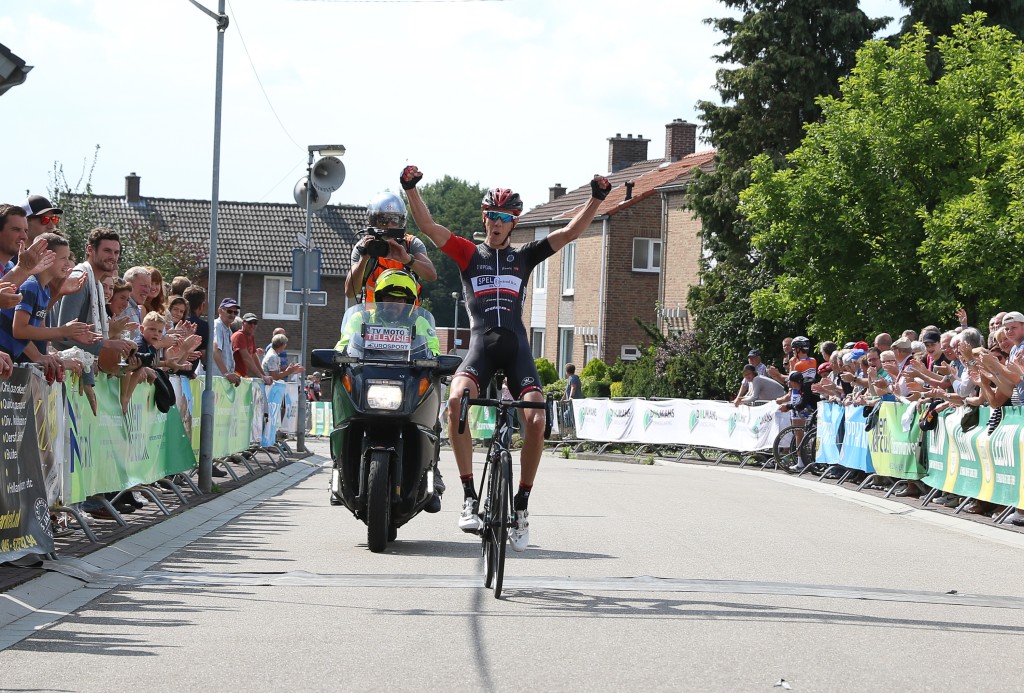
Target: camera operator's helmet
386	211
802	343
503	200
395	283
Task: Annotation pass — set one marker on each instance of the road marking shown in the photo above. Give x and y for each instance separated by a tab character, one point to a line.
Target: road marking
109	579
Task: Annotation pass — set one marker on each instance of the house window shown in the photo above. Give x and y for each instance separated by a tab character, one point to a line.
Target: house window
569	269
537	342
274	307
646	255
564	348
540	276
589	353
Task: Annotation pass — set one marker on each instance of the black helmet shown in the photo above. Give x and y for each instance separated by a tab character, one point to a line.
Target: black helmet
802	343
386	211
502	199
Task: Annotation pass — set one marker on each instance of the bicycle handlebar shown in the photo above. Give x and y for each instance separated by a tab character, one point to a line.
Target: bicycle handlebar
466	401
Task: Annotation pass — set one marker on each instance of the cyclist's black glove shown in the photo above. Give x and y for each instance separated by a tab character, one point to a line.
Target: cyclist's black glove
597	191
410	183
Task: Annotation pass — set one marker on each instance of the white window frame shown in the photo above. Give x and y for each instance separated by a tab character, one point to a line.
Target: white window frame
540	277
569	269
283	283
565	347
650	244
537	342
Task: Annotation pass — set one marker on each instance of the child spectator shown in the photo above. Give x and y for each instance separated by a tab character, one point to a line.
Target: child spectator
23	333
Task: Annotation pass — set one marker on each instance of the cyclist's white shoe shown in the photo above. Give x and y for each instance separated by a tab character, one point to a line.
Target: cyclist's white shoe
470	521
519	535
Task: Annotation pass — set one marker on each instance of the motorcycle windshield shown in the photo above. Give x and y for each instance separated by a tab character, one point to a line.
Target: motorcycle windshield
387	331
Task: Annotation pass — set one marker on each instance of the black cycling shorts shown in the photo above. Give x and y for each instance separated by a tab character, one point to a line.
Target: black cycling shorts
499	348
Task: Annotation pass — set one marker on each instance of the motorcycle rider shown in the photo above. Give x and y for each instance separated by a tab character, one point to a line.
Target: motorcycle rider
385	212
395	300
395	296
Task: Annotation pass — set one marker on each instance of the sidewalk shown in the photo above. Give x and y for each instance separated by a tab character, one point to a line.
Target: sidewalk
108	532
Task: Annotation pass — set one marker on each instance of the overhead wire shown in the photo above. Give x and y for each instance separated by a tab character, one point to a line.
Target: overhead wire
259	81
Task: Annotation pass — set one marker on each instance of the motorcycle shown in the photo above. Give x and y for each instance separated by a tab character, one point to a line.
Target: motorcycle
386	395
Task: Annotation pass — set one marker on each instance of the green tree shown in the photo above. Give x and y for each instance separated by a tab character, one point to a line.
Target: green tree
780	56
907	195
455	204
141	244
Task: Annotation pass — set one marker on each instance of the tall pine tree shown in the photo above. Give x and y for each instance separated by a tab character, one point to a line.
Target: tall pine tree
778	57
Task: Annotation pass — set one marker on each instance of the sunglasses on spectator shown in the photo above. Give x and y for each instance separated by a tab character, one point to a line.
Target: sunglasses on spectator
888	361
501	216
47	218
231	311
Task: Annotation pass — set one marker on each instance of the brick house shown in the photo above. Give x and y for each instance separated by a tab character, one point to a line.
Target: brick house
641	250
254	252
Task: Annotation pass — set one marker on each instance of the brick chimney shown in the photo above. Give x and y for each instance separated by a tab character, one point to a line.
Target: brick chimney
132	184
626	151
555	192
680	139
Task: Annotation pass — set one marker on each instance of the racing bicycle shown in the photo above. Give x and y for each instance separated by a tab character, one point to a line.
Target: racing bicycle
496	506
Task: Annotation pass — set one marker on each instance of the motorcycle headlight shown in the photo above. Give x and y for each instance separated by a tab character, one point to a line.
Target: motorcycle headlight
387	397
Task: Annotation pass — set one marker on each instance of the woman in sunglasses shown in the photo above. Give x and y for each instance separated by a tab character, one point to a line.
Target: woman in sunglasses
494	279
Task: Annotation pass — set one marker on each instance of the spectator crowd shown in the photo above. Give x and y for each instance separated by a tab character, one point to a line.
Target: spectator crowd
84	316
933	368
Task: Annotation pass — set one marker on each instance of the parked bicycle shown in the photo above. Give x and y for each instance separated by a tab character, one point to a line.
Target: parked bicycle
795	446
496	507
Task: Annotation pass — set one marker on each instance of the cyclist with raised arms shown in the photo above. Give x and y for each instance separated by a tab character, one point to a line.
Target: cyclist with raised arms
494	277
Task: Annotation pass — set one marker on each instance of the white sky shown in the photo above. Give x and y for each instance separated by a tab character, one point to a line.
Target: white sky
517	93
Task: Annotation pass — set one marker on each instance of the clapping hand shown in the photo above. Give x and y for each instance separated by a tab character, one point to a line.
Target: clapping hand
9	296
119	325
35	258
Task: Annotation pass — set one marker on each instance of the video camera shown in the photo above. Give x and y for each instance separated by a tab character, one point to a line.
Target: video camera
378	247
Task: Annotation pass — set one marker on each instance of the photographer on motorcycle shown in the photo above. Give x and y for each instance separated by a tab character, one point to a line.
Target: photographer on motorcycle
385	246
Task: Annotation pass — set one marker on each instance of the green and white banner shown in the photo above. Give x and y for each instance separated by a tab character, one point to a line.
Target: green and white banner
974	463
321	419
679	422
232	415
895	445
113	450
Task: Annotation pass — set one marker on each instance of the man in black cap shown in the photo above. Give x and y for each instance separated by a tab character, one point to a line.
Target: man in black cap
43	217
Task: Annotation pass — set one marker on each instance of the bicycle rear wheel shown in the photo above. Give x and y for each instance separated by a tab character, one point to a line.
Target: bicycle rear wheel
786	451
501	503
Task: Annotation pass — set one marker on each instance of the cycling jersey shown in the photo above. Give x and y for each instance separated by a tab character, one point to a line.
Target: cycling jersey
495	284
495	280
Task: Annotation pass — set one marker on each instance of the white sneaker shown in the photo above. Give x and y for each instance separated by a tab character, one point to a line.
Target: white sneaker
469	520
519	536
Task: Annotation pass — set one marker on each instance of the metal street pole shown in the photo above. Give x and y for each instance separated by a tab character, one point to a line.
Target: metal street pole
300	435
206	421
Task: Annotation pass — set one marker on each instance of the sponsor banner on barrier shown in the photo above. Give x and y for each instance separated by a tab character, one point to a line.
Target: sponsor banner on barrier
275	413
259	410
321	419
24	511
481	422
895	452
51	435
232	415
114	450
831	425
290	424
678	422
973	463
855	452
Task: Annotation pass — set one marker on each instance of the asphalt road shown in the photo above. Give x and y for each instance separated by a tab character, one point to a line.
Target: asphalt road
753	578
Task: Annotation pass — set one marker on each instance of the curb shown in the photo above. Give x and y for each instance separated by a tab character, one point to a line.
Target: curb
41	602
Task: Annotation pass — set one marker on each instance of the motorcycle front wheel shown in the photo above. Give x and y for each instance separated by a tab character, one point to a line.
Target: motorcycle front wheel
378	502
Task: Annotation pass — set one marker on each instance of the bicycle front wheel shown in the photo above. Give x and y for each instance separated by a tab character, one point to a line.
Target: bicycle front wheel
501	504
